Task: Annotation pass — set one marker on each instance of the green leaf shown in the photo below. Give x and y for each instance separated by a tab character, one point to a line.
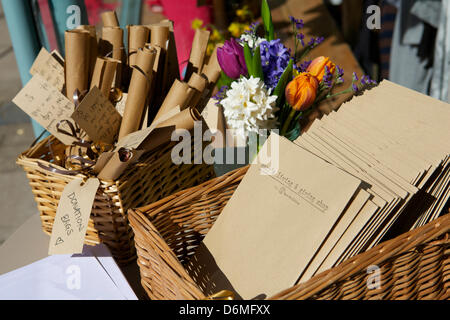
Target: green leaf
224	80
257	67
282	83
248	58
267	21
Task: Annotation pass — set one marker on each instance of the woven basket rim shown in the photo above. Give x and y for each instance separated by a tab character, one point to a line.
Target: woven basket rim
186	194
381	253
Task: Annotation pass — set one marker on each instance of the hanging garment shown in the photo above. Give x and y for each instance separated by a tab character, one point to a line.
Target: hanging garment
440	84
412	51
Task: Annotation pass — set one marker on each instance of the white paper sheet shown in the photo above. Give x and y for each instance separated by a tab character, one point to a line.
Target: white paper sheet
92	275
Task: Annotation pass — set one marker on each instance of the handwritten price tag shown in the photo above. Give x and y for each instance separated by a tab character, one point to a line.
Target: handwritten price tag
45	104
97	116
72	216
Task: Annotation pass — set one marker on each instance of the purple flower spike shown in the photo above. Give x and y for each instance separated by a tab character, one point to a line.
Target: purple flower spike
301	37
274	59
340	71
355	77
355	87
231	59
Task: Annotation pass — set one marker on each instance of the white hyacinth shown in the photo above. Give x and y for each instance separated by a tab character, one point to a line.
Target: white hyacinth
248	106
250	40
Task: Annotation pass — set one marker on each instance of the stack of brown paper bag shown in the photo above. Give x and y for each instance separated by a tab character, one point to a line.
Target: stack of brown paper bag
376	167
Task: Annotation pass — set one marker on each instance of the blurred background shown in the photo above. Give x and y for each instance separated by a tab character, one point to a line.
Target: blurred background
407	42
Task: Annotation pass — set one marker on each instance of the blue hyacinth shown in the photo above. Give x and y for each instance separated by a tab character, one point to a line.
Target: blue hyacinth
274	59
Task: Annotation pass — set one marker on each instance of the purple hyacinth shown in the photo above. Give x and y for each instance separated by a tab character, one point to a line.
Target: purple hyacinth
220	95
274	59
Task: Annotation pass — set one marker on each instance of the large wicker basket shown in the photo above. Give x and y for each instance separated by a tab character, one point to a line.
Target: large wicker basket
415	265
153	177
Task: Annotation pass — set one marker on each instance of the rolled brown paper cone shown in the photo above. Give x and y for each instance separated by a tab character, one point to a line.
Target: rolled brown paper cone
140	84
172	71
104	73
137	38
199	83
212	70
77	61
183	120
93	46
111	43
178	95
159	35
198	51
118	163
109	19
220	139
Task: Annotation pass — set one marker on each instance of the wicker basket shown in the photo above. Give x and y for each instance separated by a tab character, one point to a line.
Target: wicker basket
153	177
415	265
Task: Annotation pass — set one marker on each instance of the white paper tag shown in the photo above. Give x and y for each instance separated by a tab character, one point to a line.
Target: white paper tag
72	216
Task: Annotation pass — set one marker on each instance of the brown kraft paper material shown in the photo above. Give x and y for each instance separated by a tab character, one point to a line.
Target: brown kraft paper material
109	19
111	45
77	61
103	76
137	38
198	83
137	94
93	46
118	163
179	94
183	120
198	51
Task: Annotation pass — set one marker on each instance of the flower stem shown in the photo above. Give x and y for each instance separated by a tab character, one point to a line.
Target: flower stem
287	122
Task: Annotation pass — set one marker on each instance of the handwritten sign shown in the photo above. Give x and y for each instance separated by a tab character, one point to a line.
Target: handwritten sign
49	68
97	116
45	104
72	216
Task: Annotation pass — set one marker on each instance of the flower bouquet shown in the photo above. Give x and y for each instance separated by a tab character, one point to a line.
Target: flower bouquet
269	86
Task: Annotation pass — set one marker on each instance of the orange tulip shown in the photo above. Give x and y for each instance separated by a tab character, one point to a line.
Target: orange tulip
301	91
317	67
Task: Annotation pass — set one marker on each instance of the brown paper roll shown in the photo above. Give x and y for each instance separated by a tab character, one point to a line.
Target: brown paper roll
159	35
104	73
199	83
212	70
172	70
77	61
178	95
198	51
140	85
93	46
109	19
137	38
183	120
118	163
111	45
